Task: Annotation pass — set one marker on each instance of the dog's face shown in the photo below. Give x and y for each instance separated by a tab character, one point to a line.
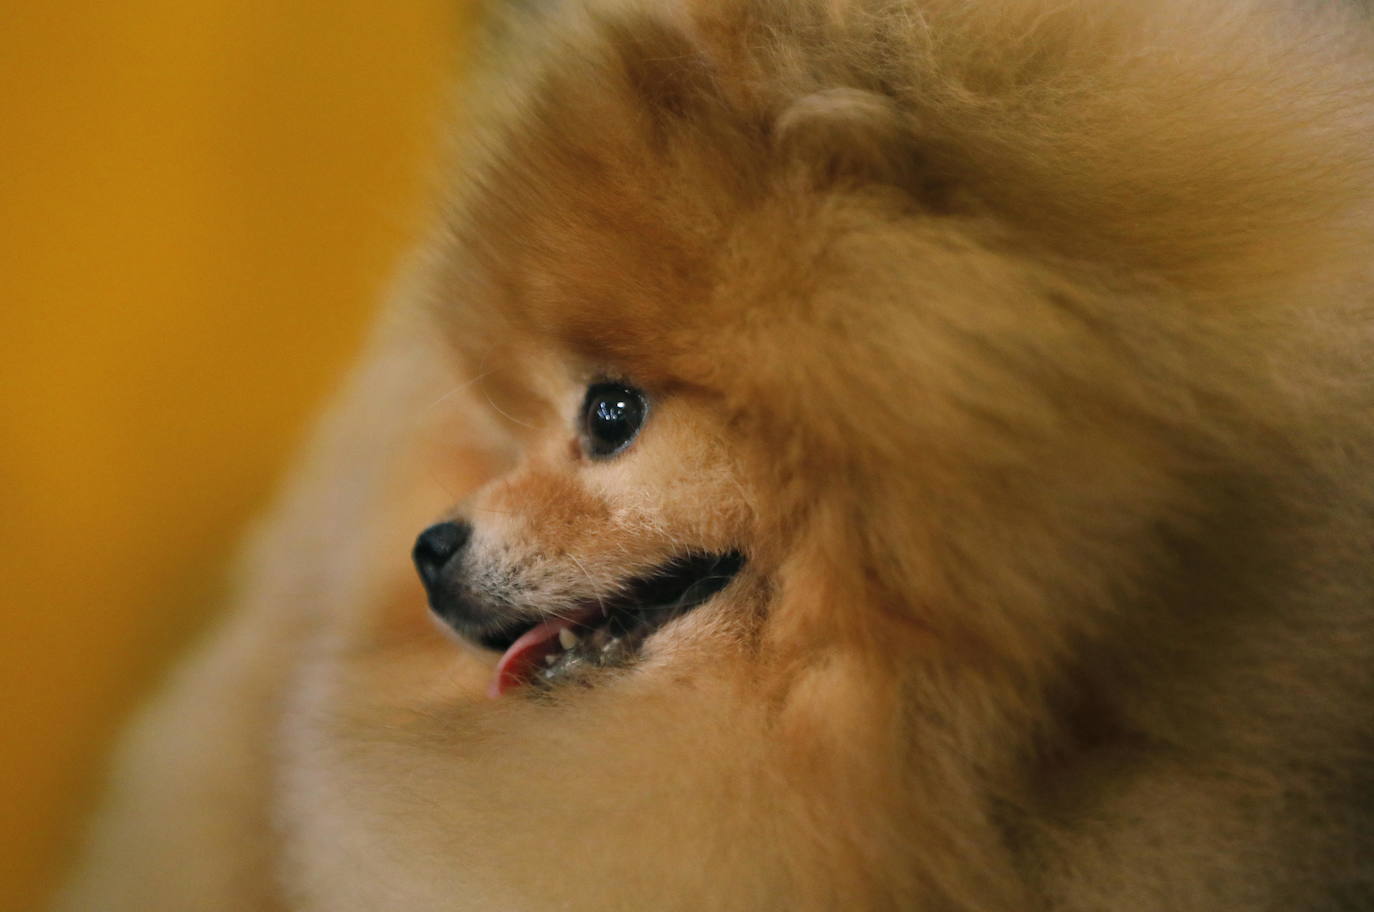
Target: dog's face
624	511
777	353
767	363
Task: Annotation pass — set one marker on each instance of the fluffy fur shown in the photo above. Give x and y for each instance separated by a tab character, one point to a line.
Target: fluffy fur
1025	349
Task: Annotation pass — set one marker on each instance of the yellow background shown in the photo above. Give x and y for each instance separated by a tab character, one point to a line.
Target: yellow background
200	204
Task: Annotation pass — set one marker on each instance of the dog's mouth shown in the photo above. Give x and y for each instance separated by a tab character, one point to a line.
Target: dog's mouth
611	631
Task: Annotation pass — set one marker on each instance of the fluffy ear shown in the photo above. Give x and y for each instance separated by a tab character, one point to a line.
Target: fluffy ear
842	130
853	135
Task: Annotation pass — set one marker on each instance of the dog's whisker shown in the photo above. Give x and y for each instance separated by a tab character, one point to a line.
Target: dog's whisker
500	411
482	373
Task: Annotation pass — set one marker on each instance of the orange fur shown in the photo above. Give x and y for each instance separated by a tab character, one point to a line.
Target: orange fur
1025	349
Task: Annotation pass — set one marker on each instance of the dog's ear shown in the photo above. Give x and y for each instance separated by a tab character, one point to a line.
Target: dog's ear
843	130
855	135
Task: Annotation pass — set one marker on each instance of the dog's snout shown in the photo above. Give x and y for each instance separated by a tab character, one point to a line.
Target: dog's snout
436	546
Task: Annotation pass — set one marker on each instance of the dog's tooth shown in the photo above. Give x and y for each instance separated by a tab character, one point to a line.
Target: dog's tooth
566	638
550	659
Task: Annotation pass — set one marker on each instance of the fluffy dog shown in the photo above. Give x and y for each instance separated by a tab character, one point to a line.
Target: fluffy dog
874	455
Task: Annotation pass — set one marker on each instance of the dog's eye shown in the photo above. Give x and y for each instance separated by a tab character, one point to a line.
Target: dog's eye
611	417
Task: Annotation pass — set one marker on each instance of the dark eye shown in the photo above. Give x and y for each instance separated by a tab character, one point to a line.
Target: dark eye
611	417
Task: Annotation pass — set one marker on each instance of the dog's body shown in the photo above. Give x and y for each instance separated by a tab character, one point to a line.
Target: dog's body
1011	364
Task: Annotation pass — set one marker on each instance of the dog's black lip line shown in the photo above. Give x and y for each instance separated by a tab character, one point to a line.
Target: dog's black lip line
670	590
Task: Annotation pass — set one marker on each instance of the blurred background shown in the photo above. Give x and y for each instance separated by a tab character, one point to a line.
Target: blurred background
200	207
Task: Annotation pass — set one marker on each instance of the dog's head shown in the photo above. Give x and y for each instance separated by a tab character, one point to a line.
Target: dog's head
824	360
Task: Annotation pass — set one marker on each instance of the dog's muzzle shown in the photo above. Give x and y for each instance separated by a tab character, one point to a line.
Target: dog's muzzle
603	630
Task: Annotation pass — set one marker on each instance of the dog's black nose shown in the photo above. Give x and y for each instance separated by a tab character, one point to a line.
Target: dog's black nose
436	546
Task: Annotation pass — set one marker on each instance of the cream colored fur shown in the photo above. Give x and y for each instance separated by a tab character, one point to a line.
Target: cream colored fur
1026	347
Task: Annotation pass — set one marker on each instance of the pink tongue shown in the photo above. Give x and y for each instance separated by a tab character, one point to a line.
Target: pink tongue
527	653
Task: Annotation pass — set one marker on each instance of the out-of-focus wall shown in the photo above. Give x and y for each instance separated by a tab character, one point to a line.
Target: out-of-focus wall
200	204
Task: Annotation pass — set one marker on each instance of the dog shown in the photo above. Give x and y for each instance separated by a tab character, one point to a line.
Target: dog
828	454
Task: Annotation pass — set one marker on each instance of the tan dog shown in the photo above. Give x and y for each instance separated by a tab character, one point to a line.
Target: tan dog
886	455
